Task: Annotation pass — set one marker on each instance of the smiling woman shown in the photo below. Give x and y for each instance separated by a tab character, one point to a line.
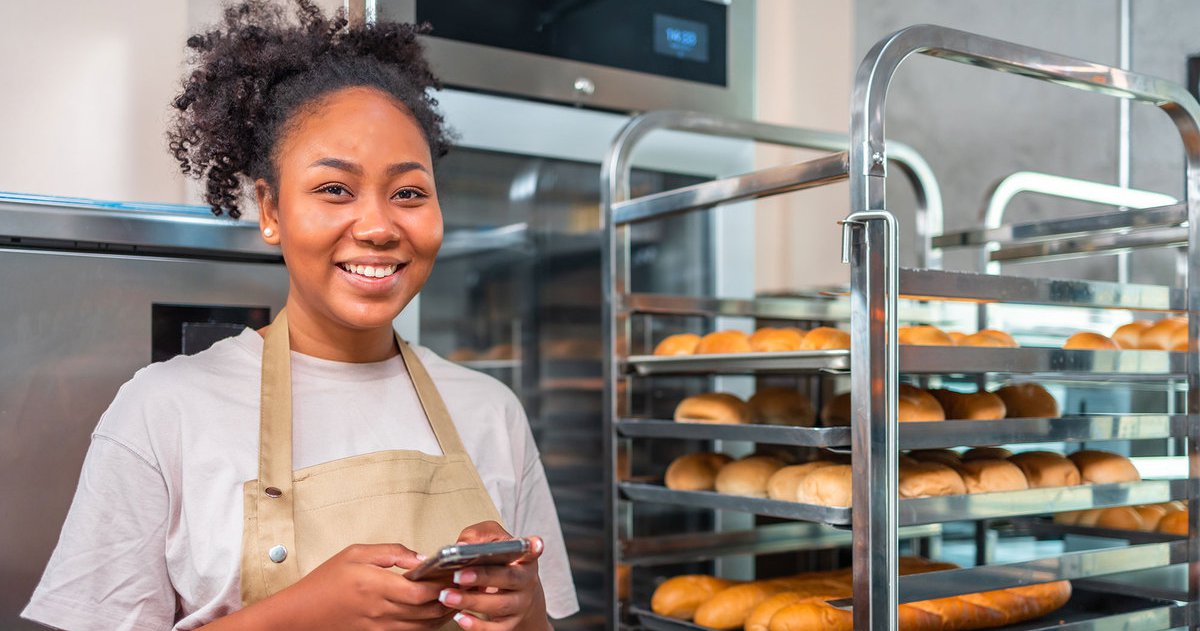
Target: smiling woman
368	452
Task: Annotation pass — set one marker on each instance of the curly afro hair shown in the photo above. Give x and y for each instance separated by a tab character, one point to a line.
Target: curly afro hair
260	68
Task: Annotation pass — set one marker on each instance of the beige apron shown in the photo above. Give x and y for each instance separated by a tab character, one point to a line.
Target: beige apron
294	521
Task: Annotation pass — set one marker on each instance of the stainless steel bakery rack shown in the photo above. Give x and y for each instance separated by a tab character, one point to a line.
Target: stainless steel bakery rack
880	294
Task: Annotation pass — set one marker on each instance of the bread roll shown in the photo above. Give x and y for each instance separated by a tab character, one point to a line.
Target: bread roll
730	608
827	486
767	340
1129	336
1179	340
695	472
947	457
784	484
1102	467
1028	400
1088	517
1120	517
836	411
1086	340
1046	469
914	405
760	617
1068	518
986	476
723	342
712	407
986	453
678	597
929	479
1151	515
1020	603
957	337
923	336
990	337
811	614
781	406
1174	523
976	406
680	344
1158	335
501	351
747	476
825	338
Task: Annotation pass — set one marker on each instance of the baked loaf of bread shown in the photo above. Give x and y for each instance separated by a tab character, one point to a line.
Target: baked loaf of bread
1179	340
723	342
1102	467
680	344
923	336
784	484
827	486
1086	340
1044	468
825	338
986	476
948	457
1174	523
747	476
712	407
913	405
1121	517
986	453
1028	400
1158	335
989	337
977	406
781	406
679	596
929	479
766	340
695	472
1129	336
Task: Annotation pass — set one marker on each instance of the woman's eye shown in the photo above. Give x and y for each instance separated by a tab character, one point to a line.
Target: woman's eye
333	189
409	193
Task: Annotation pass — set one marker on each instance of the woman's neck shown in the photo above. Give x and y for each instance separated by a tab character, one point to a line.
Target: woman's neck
316	336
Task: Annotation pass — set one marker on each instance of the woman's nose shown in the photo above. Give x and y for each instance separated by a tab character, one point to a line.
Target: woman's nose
375	224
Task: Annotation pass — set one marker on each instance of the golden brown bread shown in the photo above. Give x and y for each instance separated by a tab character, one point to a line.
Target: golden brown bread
986	476
825	338
1174	523
923	336
1120	517
695	472
1086	340
712	407
1102	467
975	406
957	337
760	617
678	597
784	484
1151	515
781	406
929	479
1128	336
948	457
913	405
989	337
827	486
730	341
747	476
501	351
767	340
1045	469
462	355
986	453
679	344
728	609
1028	400
1158	335
1179	340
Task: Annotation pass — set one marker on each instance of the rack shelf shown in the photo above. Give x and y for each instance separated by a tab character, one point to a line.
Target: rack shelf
1148	218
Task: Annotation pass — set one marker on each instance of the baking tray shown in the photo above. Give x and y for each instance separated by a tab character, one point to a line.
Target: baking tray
1041	527
931	509
1087	610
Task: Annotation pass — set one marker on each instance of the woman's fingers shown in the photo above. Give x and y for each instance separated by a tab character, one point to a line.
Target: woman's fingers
484	532
382	555
503	577
494	606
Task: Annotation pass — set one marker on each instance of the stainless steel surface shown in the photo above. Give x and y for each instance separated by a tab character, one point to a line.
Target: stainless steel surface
1159	217
1038	526
732	363
77	326
640	492
1039	291
1085	246
765	434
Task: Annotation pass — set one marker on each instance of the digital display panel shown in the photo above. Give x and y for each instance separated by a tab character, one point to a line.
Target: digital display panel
680	38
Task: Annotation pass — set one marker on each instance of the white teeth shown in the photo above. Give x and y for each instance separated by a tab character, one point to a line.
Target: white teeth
370	271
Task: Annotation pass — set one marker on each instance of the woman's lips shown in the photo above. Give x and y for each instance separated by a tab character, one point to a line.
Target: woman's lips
369	281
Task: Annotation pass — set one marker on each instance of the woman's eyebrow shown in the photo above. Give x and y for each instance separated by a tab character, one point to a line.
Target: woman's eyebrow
350	167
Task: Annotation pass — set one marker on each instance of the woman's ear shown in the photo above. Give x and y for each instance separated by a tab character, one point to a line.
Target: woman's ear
268	211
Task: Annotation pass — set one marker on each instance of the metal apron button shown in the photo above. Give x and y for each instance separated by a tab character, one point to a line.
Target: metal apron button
277	554
272	492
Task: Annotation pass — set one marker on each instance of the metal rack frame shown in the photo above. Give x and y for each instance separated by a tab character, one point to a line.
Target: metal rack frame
870	247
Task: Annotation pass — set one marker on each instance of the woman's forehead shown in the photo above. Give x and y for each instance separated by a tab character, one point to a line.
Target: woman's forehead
357	124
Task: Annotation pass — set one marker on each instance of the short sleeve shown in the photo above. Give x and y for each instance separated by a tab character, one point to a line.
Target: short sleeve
109	569
536	515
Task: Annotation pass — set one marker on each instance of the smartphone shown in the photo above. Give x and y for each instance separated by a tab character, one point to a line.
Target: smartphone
452	558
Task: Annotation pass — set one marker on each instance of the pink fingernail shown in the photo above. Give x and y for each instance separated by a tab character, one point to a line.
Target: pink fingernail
421	557
449	598
463	620
465	577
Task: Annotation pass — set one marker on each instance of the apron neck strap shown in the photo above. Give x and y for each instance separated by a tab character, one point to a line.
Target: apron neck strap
431	401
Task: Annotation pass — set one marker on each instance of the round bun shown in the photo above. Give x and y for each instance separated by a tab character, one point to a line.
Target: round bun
924	336
976	406
680	344
1028	400
1088	517
1174	523
501	351
1069	518
768	340
784	484
1179	340
1102	467
712	407
723	342
1129	336
1151	514
1045	469
986	453
827	486
747	476
929	479
944	456
836	411
462	355
917	405
695	472
825	338
1086	340
957	337
990	337
781	406
1158	335
678	597
986	476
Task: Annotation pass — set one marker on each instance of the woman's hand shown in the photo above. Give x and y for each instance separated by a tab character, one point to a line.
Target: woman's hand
509	596
352	590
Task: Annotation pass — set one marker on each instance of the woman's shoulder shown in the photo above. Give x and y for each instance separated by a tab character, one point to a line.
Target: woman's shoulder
458	383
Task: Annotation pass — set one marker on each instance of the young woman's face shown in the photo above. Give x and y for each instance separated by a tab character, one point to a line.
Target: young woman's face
355	213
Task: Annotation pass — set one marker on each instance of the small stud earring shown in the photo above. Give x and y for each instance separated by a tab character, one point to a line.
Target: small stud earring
268	232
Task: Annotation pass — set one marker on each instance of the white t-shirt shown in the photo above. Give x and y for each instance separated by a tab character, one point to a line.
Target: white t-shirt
153	537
